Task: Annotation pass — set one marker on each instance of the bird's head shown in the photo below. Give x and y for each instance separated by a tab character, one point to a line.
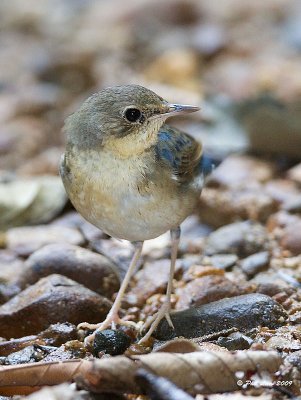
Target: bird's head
122	119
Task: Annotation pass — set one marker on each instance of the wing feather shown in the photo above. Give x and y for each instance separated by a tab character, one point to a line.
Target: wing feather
180	153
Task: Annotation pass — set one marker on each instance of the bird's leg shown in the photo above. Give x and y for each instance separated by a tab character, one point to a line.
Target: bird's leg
113	318
165	308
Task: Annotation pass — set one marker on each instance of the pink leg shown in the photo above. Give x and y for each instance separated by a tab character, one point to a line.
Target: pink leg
165	308
113	318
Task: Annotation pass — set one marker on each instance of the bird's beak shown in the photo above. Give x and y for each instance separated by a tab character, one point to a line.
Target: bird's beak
175	109
178	109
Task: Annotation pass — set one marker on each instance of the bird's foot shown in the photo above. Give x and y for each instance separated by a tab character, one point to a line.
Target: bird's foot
111	321
154	321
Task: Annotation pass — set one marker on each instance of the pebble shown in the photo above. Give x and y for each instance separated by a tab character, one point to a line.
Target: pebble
176	67
45	163
10	266
255	263
29	354
219	206
27	239
51	300
68	351
223	261
55	335
294	359
295	173
235	341
73	219
270	283
92	270
111	341
207	289
291	239
242	312
283	342
152	279
281	219
279	120
240	238
240	171
23	138
284	191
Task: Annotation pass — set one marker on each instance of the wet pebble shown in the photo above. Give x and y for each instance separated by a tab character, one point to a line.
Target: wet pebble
27	239
55	335
242	312
92	270
255	263
111	341
207	289
240	238
68	351
29	354
52	299
235	341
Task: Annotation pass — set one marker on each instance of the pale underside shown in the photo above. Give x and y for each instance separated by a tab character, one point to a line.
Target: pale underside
132	199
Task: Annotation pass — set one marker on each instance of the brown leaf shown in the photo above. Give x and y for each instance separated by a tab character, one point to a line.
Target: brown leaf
197	372
28	378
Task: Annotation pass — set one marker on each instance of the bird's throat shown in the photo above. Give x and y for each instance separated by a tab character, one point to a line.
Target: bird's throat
133	144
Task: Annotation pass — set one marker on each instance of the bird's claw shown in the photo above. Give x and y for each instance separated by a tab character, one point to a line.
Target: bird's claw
110	322
154	321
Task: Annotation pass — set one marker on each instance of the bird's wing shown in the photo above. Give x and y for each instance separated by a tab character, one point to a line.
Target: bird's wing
180	153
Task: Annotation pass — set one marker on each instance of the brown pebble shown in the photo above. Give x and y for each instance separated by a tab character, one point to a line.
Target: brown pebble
207	289
219	206
27	239
239	170
52	299
92	270
151	279
291	239
240	238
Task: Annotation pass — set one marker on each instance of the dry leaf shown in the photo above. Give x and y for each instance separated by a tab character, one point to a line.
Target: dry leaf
177	346
27	378
197	372
235	396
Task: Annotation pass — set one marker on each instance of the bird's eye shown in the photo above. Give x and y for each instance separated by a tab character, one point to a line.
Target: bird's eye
132	114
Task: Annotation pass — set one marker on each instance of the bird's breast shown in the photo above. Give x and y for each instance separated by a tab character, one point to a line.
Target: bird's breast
131	199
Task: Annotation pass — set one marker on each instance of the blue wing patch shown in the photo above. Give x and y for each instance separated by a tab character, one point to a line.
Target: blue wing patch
206	164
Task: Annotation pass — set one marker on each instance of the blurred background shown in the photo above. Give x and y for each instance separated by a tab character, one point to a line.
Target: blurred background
240	61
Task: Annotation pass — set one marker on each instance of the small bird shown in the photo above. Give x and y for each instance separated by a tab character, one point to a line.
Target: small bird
132	176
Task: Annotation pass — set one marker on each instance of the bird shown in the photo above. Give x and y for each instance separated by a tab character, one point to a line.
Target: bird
132	176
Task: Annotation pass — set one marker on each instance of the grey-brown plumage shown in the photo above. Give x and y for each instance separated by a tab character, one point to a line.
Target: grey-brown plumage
126	171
